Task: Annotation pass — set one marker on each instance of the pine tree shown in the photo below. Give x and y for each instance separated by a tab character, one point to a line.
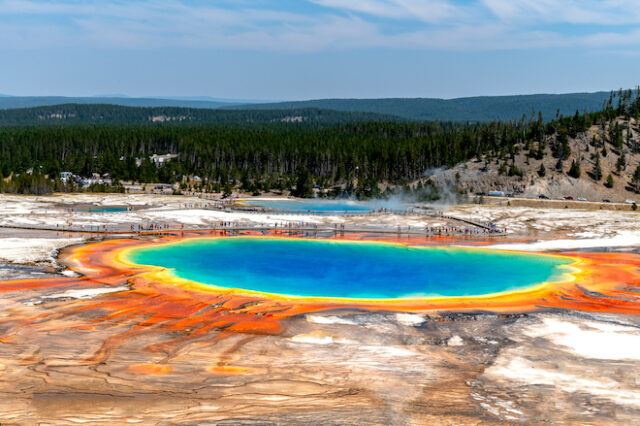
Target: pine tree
304	183
609	182
542	172
635	179
574	171
597	170
514	170
621	164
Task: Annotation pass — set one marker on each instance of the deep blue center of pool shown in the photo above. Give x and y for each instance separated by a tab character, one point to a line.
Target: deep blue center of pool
322	268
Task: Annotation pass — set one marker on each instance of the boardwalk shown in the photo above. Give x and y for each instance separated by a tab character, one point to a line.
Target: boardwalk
283	221
235	227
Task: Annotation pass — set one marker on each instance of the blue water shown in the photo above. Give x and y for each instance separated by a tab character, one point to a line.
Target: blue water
102	209
323	268
324	206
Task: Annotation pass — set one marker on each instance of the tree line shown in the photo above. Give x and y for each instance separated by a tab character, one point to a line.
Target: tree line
357	156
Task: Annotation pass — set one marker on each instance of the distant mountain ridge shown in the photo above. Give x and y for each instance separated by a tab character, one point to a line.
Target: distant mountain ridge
211	99
12	102
484	108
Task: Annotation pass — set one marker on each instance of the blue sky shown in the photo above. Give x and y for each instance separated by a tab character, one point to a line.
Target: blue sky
303	49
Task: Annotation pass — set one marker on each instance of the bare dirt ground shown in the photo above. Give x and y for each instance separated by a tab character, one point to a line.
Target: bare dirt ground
481	175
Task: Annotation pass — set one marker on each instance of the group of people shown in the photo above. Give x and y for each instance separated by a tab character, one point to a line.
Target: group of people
68	226
153	227
455	230
475	229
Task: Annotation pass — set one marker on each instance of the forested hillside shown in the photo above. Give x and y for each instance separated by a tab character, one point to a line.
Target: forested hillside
353	158
486	108
265	155
594	157
70	114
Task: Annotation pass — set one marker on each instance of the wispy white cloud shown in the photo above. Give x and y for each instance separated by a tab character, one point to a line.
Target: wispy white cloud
332	24
598	12
430	11
166	23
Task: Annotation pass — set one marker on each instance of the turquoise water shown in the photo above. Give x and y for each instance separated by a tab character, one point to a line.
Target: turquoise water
102	209
325	206
322	268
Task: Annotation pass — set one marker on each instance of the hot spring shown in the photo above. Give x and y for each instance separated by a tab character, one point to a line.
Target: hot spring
326	207
349	269
101	209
